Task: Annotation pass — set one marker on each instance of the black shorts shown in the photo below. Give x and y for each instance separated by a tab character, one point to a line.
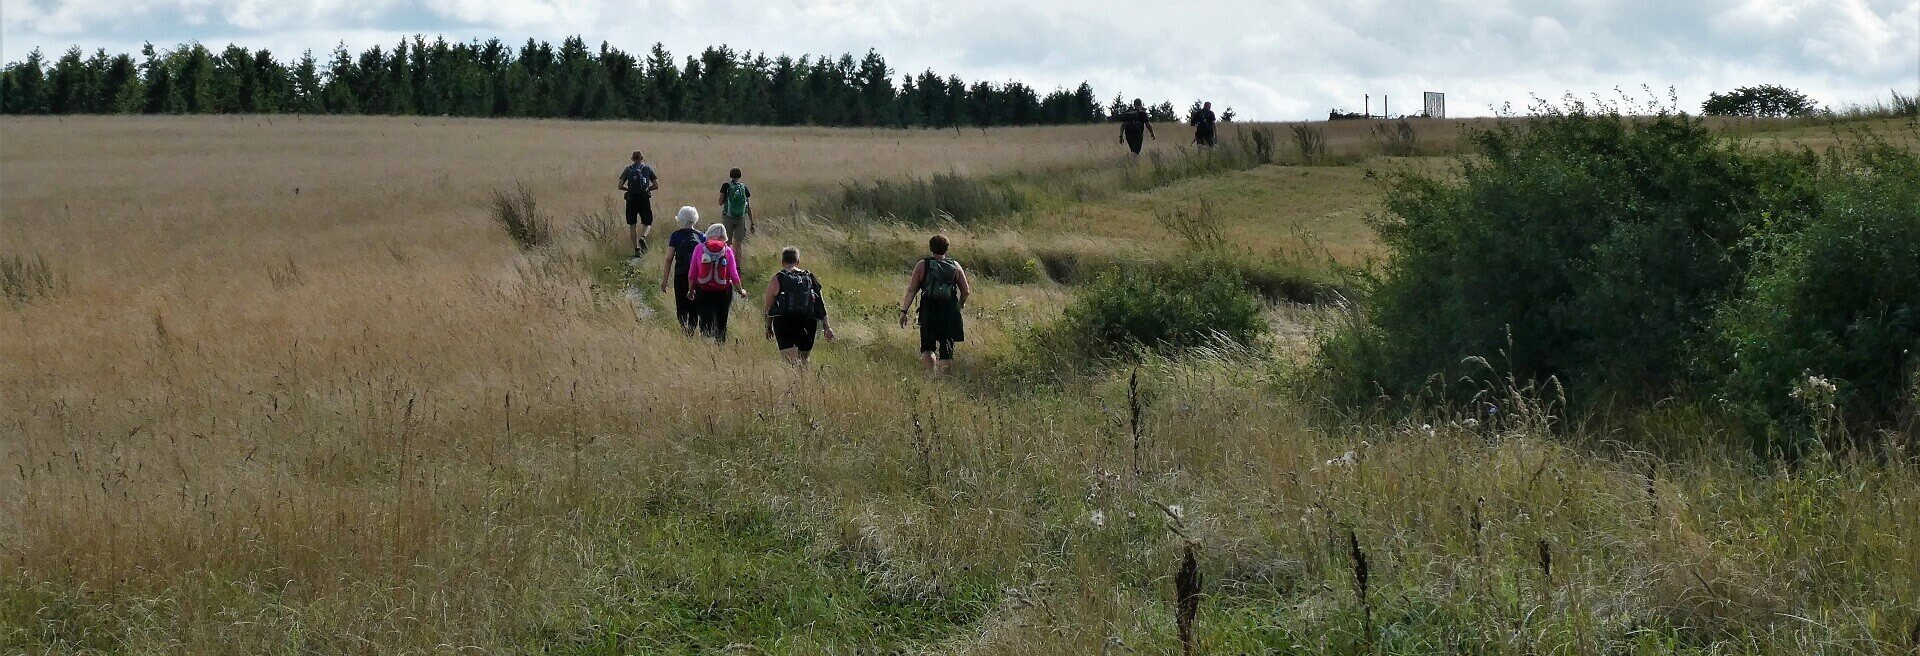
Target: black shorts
795	332
1134	140
640	211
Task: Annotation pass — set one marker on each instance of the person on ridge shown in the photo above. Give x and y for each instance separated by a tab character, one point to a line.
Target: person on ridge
941	284
681	245
1135	124
736	210
639	181
715	278
1203	126
795	309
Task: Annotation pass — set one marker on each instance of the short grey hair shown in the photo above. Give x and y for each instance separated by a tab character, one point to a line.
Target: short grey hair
717	231
688	216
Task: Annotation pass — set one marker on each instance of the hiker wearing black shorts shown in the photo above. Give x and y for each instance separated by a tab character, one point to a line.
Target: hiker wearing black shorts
680	247
795	309
941	284
639	181
1135	125
1203	126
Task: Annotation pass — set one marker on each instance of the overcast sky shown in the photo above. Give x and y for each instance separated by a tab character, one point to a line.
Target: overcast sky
1276	59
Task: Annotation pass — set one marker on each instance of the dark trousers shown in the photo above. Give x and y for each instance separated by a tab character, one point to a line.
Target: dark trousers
710	312
683	307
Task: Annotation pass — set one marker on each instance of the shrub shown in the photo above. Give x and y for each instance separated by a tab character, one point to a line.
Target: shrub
24	280
600	228
924	201
1399	140
1584	247
1767	100
1168	308
519	214
1310	141
1838	301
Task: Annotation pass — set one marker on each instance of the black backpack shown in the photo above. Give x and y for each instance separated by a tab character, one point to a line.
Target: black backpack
799	295
941	281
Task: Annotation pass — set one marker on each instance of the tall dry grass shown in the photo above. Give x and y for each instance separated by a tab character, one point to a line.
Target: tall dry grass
430	441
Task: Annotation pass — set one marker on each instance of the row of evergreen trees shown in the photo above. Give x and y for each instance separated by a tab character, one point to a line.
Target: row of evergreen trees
438	78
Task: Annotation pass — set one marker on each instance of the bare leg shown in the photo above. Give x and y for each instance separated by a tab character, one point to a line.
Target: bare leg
793	356
633	230
932	367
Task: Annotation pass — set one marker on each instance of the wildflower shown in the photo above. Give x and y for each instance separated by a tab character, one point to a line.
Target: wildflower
1099	519
1176	511
1345	460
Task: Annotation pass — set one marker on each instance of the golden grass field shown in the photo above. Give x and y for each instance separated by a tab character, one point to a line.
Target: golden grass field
356	419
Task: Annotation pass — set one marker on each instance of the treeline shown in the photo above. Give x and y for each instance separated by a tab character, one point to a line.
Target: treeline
437	78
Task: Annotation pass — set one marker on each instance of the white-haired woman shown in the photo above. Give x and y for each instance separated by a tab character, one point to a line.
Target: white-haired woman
681	245
715	278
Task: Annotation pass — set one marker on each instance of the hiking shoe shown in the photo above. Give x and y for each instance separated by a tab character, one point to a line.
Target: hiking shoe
642	249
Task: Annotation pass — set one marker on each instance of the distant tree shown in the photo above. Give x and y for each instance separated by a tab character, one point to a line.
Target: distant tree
1227	116
1767	100
1163	112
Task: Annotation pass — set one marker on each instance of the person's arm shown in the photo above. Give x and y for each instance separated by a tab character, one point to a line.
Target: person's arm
723	197
623	180
766	306
1150	133
966	290
733	272
666	267
913	287
653	180
820	303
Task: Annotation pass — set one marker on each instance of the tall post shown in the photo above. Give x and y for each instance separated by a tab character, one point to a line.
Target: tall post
1383	107
1369	110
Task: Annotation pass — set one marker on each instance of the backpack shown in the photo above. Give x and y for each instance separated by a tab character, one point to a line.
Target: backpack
942	280
799	295
736	199
711	269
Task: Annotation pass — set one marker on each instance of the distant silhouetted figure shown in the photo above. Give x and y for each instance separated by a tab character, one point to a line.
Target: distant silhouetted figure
1135	125
942	286
1203	120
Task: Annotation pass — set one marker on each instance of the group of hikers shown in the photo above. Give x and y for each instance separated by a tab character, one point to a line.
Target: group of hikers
1136	124
702	272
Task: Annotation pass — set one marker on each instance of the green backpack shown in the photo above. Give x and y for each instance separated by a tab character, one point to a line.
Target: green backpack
736	199
942	280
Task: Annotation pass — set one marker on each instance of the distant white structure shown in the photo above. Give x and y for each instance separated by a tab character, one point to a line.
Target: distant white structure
1436	104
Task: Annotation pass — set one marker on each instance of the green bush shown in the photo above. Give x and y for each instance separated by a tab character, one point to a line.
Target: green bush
1836	303
1766	100
1167	308
1588	248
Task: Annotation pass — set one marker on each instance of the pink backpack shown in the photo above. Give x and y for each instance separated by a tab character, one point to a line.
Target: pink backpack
710	268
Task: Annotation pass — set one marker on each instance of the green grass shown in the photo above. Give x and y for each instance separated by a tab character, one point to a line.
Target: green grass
692	580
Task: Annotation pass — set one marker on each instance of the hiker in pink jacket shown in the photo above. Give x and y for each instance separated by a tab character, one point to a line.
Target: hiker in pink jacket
714	278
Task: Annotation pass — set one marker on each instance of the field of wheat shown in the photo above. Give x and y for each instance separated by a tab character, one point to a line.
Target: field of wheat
295	393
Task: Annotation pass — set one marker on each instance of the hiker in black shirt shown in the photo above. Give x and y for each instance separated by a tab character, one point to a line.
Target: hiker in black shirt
639	181
680	258
1203	120
1135	124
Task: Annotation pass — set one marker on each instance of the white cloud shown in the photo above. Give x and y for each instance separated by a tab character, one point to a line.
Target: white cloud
1267	58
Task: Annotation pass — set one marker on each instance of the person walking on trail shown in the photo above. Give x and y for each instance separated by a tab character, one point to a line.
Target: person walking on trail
1135	125
681	245
736	209
1203	125
941	284
715	278
639	181
795	309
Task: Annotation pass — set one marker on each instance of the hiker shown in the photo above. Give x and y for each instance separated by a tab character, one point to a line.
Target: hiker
681	245
1203	124
715	277
795	309
942	286
736	210
639	181
1133	123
